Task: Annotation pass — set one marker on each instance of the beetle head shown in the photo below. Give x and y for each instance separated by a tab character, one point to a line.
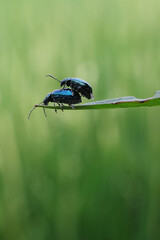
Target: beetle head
66	81
47	99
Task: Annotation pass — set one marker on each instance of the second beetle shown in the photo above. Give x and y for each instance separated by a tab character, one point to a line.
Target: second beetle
76	84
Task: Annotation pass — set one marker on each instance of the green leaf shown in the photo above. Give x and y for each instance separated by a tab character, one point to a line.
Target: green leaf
122	102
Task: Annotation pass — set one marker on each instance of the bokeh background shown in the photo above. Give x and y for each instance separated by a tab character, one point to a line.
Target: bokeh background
79	174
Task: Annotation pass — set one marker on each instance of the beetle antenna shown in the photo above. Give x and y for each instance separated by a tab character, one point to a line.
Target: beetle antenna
32	110
49	75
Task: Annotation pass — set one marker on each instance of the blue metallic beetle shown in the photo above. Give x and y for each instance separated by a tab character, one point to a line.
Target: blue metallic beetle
60	96
76	84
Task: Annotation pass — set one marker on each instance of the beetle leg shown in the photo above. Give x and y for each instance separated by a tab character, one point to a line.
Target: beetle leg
60	106
63	88
55	109
44	112
71	106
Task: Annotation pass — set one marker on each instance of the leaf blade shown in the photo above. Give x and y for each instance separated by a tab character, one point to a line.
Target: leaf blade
122	102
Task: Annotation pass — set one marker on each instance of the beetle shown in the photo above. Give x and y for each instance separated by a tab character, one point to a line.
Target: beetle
60	96
76	84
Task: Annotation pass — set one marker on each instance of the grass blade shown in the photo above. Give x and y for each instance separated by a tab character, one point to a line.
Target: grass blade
122	102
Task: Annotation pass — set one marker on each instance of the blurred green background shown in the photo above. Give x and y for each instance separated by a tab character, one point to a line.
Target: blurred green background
79	174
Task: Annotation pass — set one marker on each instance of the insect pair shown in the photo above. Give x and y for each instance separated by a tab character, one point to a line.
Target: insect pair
67	95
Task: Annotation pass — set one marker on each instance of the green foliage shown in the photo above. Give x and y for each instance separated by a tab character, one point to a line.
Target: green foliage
81	175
